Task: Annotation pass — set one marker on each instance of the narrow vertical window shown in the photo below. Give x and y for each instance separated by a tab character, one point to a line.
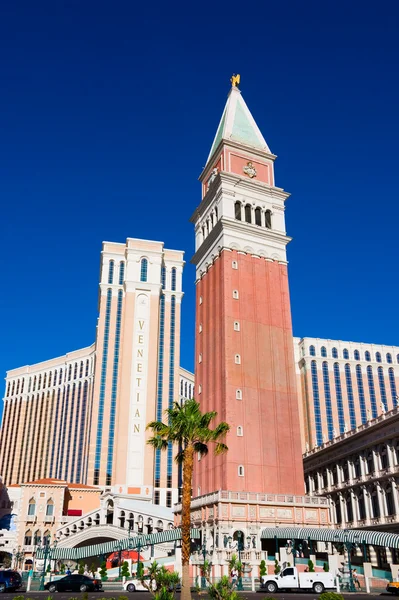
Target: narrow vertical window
235	294
236	326
349	389
268	219
327	395
111	272
367	356
237	359
237	211
240	471
392	385
258	216
323	351
121	272
389	358
345	353
163	277
334	353
312	351
382	388
370	379
87	368
234	264
360	389
356	355
316	403
238	395
378	357
143	269
338	391
239	431
248	213
173	279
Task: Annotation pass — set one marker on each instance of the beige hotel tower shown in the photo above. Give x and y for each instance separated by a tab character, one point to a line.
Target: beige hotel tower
82	417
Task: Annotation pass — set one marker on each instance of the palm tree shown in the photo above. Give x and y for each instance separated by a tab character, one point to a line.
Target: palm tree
189	429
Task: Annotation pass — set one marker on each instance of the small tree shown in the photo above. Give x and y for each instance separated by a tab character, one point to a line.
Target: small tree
262	568
326	567
310	566
103	571
140	570
93	569
81	569
222	590
62	569
125	569
48	570
277	567
160	582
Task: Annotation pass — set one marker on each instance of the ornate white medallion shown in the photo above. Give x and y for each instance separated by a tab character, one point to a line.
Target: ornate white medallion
249	170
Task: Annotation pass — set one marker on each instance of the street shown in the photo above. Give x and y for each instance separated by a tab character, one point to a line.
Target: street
145	596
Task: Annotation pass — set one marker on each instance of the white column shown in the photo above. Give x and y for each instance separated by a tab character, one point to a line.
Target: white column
391	461
376	460
381	500
366	502
395	496
242	212
362	464
355	508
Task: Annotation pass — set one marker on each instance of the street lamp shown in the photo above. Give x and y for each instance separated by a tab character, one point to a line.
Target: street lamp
204	552
19	556
349	547
45	545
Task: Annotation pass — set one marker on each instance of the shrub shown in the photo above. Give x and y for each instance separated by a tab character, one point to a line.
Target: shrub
222	590
85	596
123	598
161	583
125	569
81	569
311	566
93	569
103	571
277	567
330	596
326	567
62	569
262	568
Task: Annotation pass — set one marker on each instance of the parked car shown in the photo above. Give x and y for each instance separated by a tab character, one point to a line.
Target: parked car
74	583
393	587
290	579
10	581
134	585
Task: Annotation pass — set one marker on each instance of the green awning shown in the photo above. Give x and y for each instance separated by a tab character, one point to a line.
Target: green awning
356	536
132	543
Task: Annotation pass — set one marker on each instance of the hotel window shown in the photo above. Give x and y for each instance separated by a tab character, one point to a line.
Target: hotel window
370	379
75	371
34	383
360	388
334	353
13	388
169	499
397	358
316	403
237	359
240	471
382	387
143	269
389	358
81	369
17	390
351	402
60	377
378	357
8	389
185	390
236	326
200	299
173	279
312	351
200	328
50	508
268	219
239	431
248	213
28	538
200	358
327	395
367	356
181	387
69	372
237	211
87	368
30	384
356	355
235	294
392	385
49	379
32	507
121	272
323	351
238	395
258	216
38	384
234	264
345	354
156	497
111	272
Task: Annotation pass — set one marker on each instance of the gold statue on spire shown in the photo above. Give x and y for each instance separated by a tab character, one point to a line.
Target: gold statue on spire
235	80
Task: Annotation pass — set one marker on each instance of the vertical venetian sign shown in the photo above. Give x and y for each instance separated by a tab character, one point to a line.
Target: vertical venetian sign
138	392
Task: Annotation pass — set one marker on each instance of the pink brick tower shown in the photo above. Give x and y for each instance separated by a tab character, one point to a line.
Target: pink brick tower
244	346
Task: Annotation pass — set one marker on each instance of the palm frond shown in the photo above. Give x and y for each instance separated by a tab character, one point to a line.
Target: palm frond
220	448
158	443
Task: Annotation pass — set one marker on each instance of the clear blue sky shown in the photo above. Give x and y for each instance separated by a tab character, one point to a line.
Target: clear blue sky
107	114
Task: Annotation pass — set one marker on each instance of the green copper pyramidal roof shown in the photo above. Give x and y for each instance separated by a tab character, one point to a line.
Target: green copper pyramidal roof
238	124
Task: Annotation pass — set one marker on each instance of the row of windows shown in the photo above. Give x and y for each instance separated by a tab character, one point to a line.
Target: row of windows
169	466
32	508
253	216
157	473
350	395
356	354
49	379
209	223
186	389
35	539
111	270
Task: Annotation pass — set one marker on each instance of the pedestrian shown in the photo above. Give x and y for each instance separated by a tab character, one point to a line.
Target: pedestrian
234	575
68	571
355	578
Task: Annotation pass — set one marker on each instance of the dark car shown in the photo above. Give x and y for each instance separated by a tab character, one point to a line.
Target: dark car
74	583
10	581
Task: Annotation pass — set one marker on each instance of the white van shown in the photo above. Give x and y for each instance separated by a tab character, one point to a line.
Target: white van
290	579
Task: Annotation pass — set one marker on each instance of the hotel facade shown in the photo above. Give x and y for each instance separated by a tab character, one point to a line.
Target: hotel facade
82	417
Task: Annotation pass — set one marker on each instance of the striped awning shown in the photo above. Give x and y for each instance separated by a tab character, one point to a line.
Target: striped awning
105	548
356	536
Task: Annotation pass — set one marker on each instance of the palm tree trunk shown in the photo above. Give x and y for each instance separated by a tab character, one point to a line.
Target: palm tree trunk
186	521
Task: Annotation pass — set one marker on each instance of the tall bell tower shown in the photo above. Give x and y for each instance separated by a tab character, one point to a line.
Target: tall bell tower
244	347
